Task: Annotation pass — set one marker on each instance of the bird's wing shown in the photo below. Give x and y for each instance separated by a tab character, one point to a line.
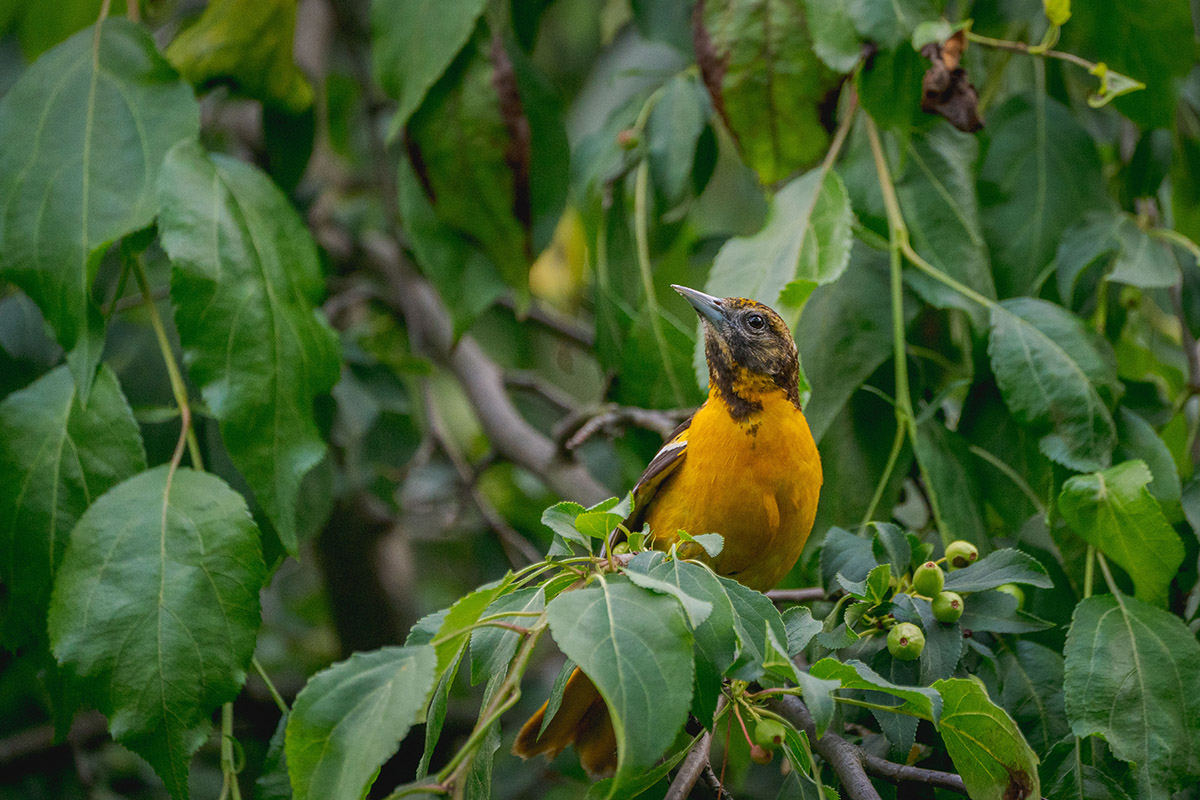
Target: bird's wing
661	467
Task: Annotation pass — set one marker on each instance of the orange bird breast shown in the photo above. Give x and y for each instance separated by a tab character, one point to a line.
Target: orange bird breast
756	482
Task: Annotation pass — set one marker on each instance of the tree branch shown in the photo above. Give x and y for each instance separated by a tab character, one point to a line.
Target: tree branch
854	765
845	758
610	418
482	381
796	595
691	768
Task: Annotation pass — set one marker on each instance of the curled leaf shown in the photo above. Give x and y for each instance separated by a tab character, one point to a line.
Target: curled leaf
946	89
1112	84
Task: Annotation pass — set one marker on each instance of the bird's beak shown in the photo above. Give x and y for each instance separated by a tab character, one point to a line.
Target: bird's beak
708	307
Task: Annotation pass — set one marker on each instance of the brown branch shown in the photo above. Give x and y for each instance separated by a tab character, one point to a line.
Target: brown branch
431	333
553	321
796	595
903	773
844	757
529	381
853	765
612	418
714	783
690	770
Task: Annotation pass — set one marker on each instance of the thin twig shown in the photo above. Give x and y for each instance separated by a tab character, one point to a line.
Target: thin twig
714	783
517	548
530	381
481	379
611	418
903	773
555	322
691	768
796	595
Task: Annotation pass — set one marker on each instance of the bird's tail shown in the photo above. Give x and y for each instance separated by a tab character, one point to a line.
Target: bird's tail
582	720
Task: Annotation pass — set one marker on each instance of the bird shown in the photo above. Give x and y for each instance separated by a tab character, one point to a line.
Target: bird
744	465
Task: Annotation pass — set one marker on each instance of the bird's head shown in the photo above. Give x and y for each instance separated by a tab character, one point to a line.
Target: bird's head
749	349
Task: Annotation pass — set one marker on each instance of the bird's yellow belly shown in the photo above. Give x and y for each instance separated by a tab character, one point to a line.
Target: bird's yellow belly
755	483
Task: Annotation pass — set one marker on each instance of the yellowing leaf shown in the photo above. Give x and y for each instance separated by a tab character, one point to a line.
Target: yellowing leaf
246	44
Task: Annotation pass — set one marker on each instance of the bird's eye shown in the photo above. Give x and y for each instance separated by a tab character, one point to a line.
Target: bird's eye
756	322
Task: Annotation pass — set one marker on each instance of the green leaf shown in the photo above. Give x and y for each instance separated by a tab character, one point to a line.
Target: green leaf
458	624
995	569
351	717
845	334
935	183
560	518
843	553
245	281
462	273
470	144
413	42
1133	677
1032	677
273	782
1067	777
854	674
1115	240
833	36
804	243
246	45
766	82
435	715
493	648
56	459
155	610
1114	511
1051	369
1040	174
889	22
672	133
697	610
801	628
986	746
112	107
997	612
944	644
636	648
890	545
953	492
756	620
1148	40
1137	439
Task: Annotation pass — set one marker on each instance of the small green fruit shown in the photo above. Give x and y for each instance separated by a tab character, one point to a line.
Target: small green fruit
928	579
760	754
947	607
620	548
1014	590
628	139
906	641
961	554
770	734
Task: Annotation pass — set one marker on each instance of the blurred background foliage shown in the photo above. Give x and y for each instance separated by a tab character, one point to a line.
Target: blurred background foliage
549	168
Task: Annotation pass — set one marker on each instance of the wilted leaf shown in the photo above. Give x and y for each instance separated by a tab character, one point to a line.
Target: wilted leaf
765	81
986	746
248	45
155	610
946	89
636	648
351	717
245	282
72	193
1114	511
56	459
1050	366
1133	677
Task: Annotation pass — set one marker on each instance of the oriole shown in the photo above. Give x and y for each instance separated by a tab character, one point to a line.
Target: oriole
744	465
